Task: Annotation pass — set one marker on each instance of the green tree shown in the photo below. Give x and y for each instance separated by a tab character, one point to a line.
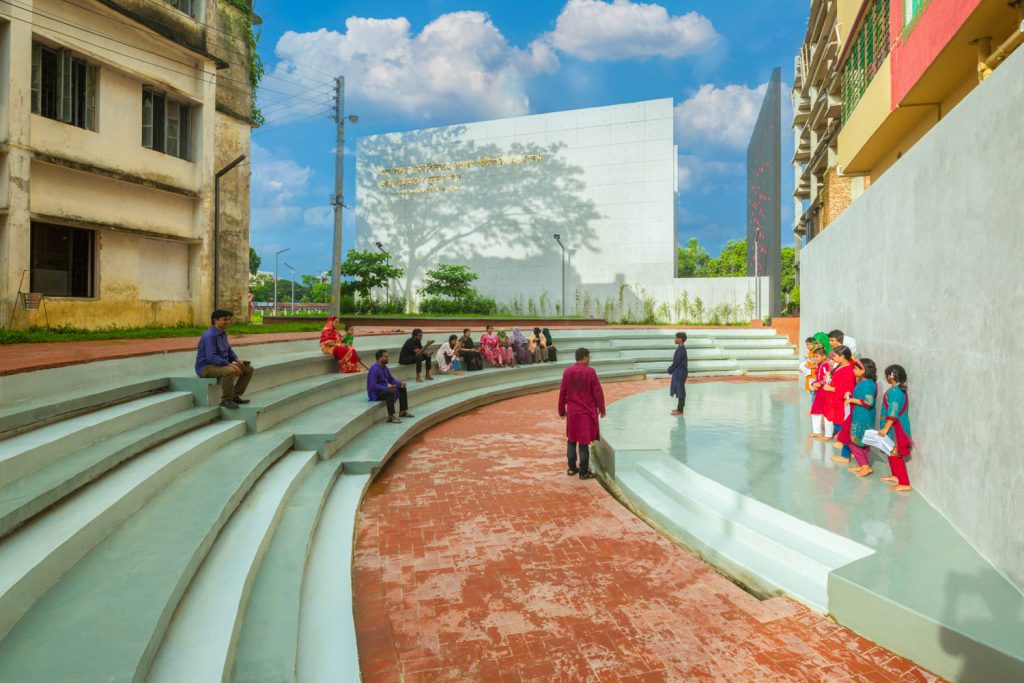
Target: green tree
693	259
451	282
315	291
370	270
731	262
788	271
254	261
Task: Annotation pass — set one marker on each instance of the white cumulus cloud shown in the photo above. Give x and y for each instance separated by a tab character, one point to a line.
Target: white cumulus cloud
278	184
724	116
598	30
459	64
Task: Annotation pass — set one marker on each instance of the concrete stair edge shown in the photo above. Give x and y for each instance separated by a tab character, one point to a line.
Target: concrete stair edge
26	497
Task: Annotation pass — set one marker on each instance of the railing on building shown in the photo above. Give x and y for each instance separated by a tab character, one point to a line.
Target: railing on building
869	49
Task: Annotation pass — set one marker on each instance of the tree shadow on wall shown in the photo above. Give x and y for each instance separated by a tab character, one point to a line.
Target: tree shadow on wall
469	212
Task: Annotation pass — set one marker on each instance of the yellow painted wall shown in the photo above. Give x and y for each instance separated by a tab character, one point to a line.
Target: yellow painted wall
867	118
846	15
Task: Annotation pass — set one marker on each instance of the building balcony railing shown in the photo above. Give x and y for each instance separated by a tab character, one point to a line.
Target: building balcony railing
869	48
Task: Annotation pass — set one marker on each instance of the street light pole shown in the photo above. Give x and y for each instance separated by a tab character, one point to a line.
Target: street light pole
558	238
216	227
339	188
293	284
276	254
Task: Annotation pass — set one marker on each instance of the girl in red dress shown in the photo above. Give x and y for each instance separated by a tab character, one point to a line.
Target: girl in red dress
837	391
818	380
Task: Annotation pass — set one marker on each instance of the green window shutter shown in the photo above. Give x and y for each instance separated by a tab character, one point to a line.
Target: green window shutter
91	81
37	77
65	100
172	128
147	118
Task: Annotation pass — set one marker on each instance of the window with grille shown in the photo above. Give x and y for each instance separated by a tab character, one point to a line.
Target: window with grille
63	260
63	87
869	48
166	124
186	6
911	13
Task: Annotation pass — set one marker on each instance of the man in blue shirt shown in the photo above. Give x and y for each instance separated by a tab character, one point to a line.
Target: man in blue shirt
381	385
215	358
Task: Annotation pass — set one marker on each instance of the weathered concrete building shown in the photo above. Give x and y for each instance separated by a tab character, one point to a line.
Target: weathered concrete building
115	117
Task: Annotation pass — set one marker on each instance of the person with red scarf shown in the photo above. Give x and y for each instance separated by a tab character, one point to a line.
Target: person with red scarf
895	419
332	342
837	391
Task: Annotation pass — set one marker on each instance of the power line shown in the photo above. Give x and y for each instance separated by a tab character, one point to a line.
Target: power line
316	112
163	3
216	77
283	105
135	26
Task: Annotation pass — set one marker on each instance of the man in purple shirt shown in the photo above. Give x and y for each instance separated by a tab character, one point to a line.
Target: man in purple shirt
215	358
381	385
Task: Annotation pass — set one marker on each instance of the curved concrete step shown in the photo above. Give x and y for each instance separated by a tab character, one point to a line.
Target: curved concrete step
26	497
202	635
34	558
267	646
34	412
108	614
762	545
327	651
329	427
21	454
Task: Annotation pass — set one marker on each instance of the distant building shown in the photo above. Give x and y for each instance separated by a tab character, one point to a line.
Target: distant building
582	199
114	118
873	77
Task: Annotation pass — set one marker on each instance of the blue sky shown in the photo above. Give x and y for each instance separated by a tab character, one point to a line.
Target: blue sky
427	63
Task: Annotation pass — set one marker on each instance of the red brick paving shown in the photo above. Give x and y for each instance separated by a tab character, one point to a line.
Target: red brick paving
478	559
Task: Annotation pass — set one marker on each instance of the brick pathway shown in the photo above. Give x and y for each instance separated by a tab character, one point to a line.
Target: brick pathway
478	559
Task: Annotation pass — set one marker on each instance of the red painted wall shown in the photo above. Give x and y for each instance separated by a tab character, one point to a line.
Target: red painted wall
936	26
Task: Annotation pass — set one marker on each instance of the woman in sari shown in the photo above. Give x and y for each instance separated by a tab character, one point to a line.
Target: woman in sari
505	349
538	346
332	341
489	347
330	336
521	347
552	351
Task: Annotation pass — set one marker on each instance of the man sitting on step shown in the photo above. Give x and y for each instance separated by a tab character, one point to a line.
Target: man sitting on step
381	385
215	358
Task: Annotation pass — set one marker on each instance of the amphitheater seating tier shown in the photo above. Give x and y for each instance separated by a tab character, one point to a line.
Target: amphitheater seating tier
148	534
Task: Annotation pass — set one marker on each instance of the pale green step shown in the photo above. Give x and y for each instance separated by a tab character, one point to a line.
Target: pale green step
372	447
29	495
64	403
267	641
40	552
281	402
328	651
107	615
201	639
329	427
31	450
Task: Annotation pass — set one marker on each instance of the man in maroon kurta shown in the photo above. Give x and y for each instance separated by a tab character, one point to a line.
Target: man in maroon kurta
580	401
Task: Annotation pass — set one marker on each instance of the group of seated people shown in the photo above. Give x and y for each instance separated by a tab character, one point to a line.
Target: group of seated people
455	356
496	348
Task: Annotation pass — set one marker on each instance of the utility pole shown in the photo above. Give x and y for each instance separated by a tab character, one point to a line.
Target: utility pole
338	198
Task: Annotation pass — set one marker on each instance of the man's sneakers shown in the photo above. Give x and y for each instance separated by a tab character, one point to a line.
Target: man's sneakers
229	404
571	471
241	401
587	475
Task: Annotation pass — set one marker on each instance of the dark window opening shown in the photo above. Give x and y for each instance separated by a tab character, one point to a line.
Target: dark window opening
166	124
186	6
63	87
63	260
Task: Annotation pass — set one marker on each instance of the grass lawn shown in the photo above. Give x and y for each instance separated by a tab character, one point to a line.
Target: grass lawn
67	334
